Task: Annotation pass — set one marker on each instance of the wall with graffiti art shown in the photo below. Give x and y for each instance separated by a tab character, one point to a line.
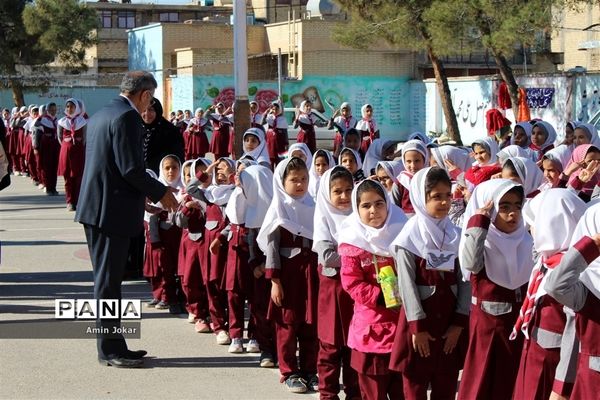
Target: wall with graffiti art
388	96
586	98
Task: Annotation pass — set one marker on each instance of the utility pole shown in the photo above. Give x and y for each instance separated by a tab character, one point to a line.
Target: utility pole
241	107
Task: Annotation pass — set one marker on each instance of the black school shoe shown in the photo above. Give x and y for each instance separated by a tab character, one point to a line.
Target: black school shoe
295	384
122	362
313	382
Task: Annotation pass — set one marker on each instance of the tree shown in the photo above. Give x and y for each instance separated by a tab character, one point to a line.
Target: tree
403	24
503	27
35	33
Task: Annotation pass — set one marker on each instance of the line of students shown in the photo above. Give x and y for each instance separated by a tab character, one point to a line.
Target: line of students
306	247
41	146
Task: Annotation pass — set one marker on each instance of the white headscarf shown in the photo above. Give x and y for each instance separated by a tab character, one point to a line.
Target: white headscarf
375	154
507	256
392	169
419	136
376	241
304	149
348	122
294	215
314	178
364	124
551	133
528	128
260	154
591	132
177	183
530	174
304	117
553	216
459	157
589	225
424	234
419	147
491	146
560	155
257	184
75	121
328	219
220	194
511	151
197	121
359	163
277	121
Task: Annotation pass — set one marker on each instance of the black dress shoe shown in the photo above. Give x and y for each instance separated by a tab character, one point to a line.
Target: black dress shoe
122	362
135	354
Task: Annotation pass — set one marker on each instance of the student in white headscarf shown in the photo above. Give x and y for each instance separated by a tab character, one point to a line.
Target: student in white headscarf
342	121
286	239
255	146
333	205
435	298
306	122
380	150
367	127
322	161
575	283
364	246
525	172
495	253
195	139
553	216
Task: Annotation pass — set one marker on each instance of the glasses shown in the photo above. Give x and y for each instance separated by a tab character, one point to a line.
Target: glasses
152	102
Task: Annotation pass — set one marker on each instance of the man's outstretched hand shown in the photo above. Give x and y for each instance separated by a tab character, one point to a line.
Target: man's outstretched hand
168	201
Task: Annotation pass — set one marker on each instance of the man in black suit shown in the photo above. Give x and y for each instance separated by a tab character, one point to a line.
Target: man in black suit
112	199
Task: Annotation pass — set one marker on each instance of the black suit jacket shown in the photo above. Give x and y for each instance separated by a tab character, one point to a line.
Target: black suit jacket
115	183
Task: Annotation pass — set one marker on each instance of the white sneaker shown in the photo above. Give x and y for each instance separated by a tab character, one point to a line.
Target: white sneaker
223	338
252	346
236	346
191	318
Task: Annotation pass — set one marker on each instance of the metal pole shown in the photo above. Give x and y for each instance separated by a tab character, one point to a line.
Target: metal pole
241	108
279	75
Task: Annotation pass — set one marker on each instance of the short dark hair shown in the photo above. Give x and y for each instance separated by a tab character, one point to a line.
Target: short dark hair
295	164
348	151
369	185
340	173
435	176
352	131
137	81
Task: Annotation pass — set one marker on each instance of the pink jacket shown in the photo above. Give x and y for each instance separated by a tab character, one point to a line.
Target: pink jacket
373	326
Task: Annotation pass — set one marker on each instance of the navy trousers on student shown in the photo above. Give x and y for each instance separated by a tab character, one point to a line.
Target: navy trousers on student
108	254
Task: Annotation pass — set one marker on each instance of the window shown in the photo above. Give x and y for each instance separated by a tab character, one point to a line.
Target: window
126	19
169	17
106	19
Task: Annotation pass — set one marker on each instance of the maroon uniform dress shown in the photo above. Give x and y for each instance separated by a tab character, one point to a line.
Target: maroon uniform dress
28	151
541	352
192	244
170	238
213	266
307	132
335	308
238	279
71	160
277	138
219	143
439	370
49	152
296	320
195	139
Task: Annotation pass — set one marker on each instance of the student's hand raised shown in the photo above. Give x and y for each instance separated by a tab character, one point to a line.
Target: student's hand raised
486	209
276	292
450	165
212	167
421	343
588	173
573	167
451	336
168	201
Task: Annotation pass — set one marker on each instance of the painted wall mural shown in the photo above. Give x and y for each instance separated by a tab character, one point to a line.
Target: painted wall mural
388	96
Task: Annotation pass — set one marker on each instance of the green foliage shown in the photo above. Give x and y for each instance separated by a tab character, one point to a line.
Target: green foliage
64	28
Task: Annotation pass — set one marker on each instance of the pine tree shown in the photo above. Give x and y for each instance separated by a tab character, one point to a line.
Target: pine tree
36	33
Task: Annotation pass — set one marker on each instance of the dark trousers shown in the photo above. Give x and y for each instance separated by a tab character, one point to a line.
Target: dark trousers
108	254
